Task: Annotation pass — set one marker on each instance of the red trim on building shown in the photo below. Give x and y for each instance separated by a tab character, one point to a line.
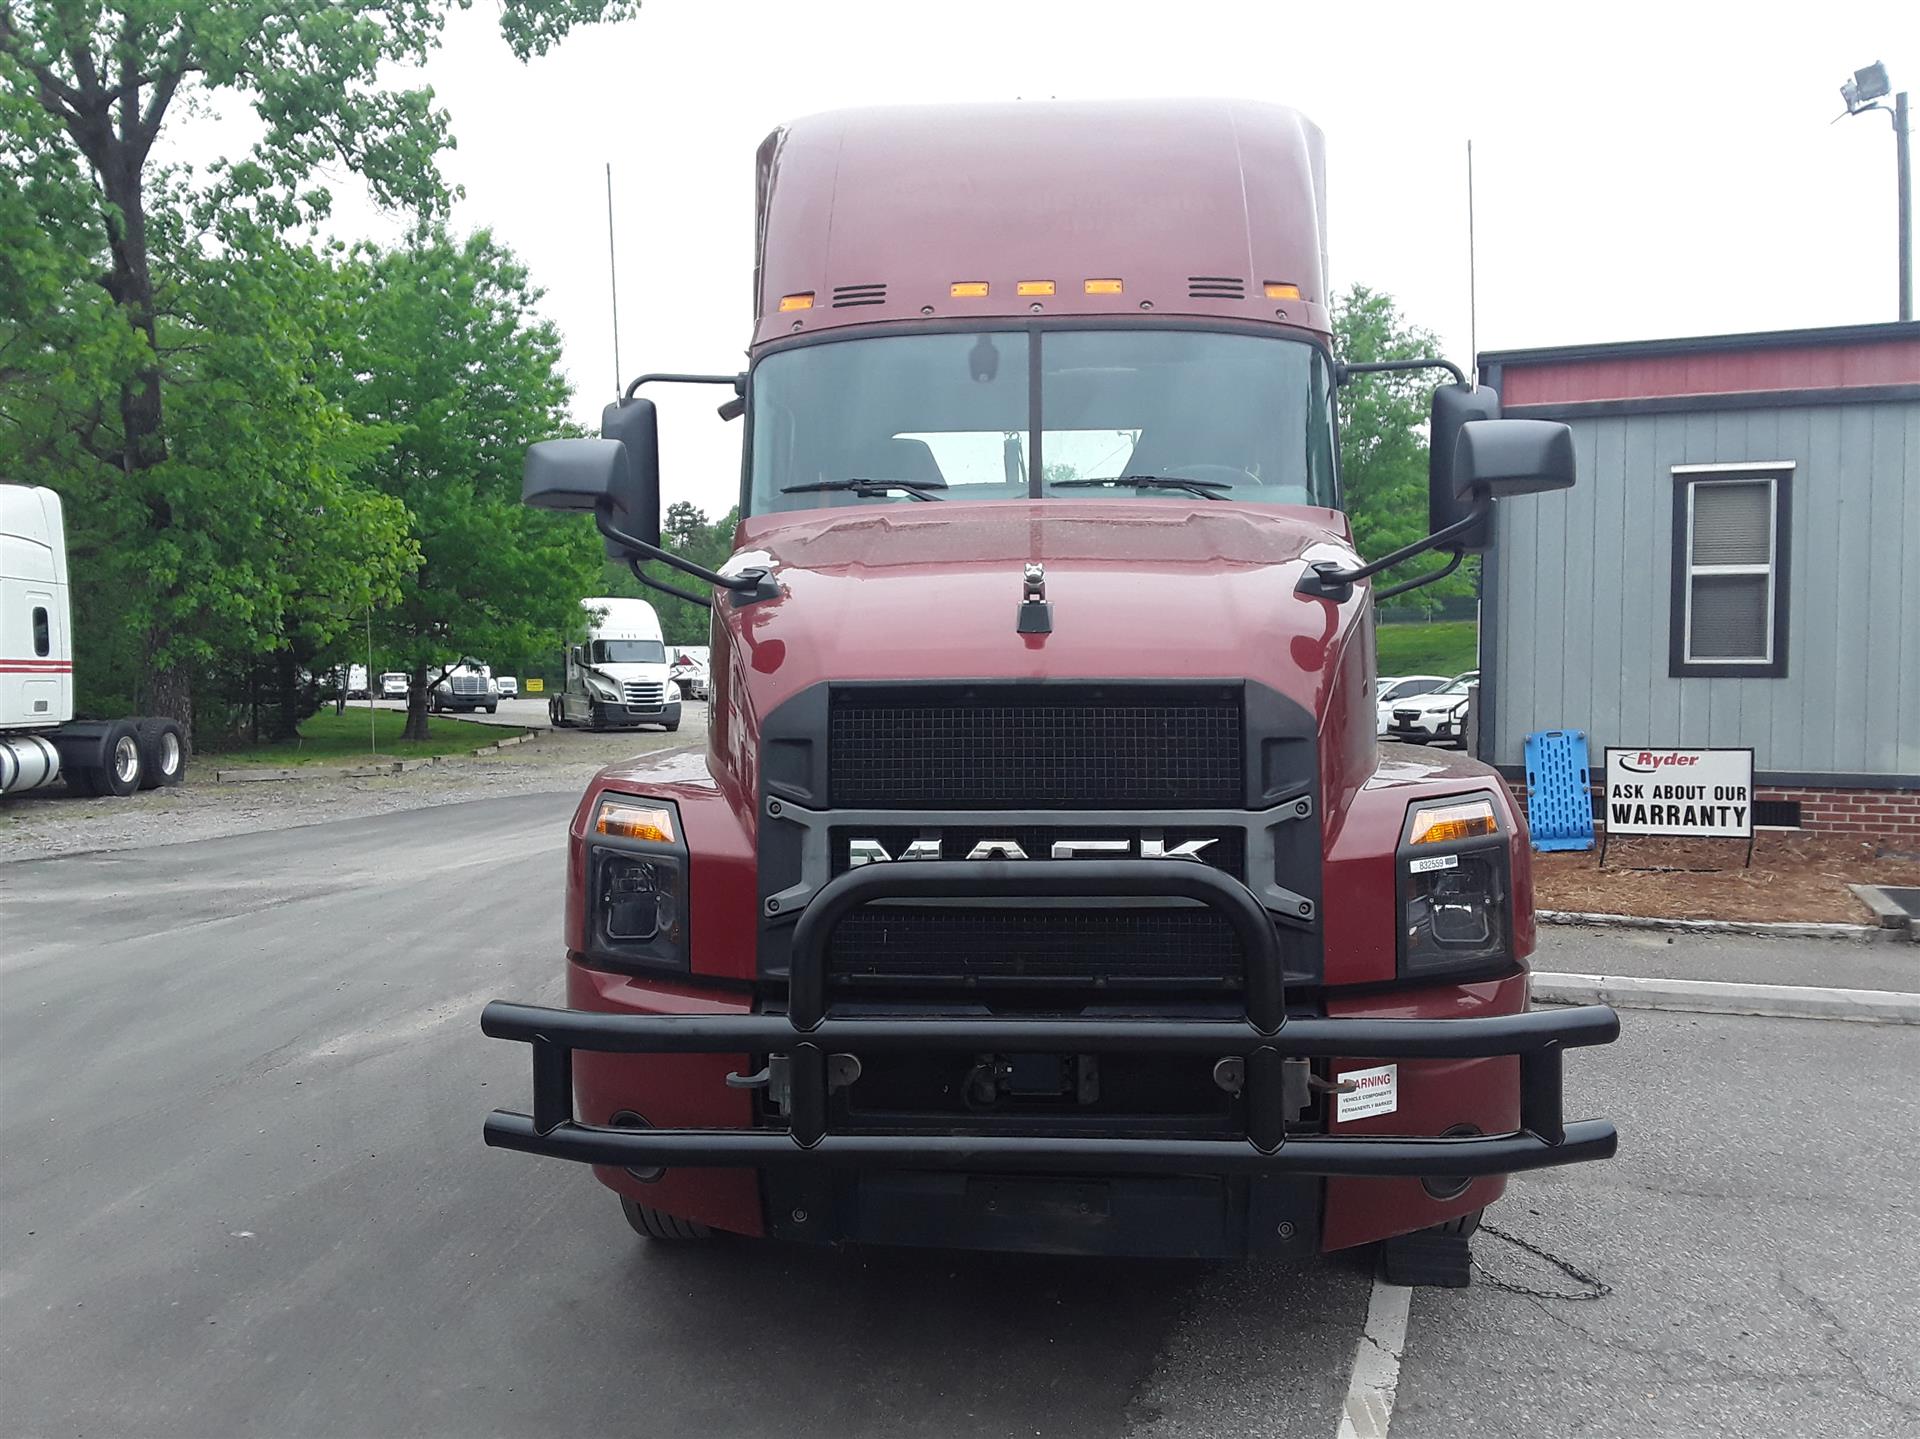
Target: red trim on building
1656	376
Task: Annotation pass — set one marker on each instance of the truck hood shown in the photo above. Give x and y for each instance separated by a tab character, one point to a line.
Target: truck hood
1164	588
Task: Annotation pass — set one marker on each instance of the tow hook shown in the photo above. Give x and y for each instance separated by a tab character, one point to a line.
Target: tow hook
1298	1082
776	1077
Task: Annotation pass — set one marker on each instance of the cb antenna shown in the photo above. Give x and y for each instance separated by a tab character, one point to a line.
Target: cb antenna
613	283
1473	279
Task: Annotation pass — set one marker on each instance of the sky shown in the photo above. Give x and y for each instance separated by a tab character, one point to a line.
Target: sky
1639	170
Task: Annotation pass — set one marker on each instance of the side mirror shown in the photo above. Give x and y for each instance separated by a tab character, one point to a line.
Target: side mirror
635	424
1497	458
617	477
1453	407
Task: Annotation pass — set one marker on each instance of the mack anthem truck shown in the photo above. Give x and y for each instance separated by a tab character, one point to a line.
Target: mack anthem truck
1047	887
40	740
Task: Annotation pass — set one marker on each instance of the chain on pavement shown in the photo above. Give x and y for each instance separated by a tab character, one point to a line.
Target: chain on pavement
1596	1288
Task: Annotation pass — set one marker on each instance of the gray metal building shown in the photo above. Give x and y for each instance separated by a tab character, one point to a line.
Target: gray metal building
1739	564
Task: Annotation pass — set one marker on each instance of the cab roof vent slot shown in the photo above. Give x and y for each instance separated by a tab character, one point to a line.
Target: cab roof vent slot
845	295
1215	287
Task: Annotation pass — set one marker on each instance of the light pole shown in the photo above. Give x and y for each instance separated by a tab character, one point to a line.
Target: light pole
1862	93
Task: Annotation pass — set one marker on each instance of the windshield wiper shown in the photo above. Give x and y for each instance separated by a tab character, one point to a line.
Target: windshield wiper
1205	489
870	489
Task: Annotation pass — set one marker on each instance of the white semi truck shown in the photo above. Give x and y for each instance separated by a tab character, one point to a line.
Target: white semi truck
618	679
40	740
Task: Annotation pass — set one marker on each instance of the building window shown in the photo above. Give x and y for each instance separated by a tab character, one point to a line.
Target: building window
1730	570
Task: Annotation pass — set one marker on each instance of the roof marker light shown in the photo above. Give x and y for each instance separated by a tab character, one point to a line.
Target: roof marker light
1033	287
967	289
797	302
1104	287
1276	290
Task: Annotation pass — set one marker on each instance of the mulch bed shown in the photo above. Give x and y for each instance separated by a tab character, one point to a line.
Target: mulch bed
1795	878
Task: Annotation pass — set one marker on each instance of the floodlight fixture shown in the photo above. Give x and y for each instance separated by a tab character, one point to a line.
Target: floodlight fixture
1866	86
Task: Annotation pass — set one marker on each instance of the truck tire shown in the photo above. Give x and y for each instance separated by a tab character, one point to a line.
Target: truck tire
125	763
555	718
652	1224
163	753
493	708
671	725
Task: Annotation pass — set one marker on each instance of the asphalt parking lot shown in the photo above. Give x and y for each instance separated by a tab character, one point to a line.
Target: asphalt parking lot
243	1192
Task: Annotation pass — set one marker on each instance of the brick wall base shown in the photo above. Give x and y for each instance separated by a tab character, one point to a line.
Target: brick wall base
1890	815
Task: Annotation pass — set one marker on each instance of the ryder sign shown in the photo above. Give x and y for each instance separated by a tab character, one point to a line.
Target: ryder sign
1702	792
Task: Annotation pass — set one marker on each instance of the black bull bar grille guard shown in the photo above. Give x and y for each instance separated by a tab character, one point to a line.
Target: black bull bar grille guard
1272	1048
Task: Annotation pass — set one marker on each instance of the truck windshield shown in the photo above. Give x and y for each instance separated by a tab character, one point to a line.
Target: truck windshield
1244	417
627	652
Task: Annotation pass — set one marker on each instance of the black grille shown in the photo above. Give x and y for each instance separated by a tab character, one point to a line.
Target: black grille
1096	751
948	945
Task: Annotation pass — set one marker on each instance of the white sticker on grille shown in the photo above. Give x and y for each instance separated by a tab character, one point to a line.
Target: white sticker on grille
1376	1091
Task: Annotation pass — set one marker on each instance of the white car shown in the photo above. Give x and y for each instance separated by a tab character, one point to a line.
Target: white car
1394	689
1440	715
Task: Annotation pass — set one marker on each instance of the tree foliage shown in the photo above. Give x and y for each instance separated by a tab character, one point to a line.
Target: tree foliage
1383	435
156	340
446	356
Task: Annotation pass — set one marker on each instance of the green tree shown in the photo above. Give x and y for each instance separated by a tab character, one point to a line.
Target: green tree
448	358
87	88
1383	435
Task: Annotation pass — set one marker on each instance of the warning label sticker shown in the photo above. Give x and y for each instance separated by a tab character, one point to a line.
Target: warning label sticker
1376	1091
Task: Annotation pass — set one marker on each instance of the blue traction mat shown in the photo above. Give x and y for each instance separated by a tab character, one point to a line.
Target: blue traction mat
1559	801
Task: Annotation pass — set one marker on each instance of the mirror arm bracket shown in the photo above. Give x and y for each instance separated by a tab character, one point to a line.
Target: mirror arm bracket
1342	371
1325	580
747	587
1454	556
651	583
739	382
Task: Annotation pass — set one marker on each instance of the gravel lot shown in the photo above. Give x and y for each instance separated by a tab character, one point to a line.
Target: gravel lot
50	822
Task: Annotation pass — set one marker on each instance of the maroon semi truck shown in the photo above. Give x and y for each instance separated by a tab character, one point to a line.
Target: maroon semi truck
1047	888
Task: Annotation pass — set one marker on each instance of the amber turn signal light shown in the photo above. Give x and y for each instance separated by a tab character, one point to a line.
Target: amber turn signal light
629	819
1463	819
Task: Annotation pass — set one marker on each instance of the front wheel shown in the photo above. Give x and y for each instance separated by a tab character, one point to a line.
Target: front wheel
652	1224
492	708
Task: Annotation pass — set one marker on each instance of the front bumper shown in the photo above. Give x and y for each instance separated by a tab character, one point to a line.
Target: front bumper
612	712
1272	1051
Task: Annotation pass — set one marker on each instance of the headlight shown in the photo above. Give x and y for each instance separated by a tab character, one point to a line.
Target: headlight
636	885
1454	899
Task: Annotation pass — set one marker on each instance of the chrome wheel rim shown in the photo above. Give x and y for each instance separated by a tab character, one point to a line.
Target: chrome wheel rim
126	759
169	753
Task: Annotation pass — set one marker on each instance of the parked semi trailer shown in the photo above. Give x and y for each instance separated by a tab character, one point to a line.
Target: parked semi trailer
40	740
1047	887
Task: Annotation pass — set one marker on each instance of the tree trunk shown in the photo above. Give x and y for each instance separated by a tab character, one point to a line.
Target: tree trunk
416	726
170	695
286	707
